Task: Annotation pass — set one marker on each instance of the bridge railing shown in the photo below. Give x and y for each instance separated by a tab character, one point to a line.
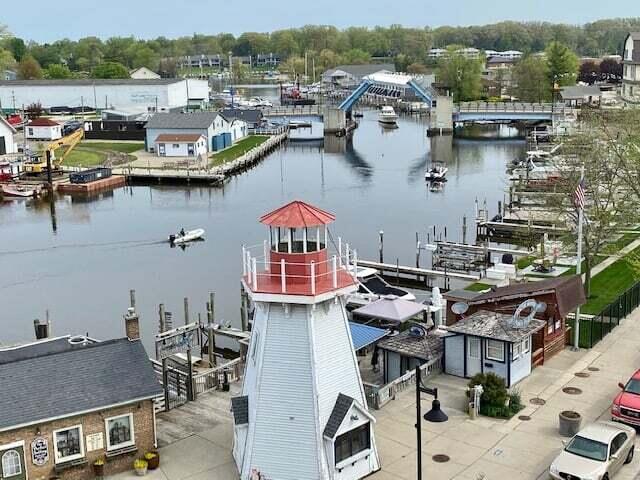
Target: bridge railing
510	107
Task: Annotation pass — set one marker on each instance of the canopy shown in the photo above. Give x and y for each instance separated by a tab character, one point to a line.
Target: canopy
297	214
391	308
364	335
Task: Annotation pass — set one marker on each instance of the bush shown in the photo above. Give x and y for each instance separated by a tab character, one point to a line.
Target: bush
495	391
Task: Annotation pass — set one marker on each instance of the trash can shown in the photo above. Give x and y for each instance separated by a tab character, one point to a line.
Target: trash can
569	423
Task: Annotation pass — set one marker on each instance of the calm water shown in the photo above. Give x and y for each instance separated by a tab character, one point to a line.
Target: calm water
100	249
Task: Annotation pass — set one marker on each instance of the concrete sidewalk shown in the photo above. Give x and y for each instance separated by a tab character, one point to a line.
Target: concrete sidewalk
198	437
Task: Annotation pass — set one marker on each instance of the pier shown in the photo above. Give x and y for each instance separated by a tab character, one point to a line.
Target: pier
416	271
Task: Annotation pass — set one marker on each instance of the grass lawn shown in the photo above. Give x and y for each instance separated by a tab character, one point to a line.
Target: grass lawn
610	283
477	287
237	150
91	154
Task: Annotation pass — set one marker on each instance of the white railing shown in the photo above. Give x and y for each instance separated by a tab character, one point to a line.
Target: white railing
213	378
511	107
378	397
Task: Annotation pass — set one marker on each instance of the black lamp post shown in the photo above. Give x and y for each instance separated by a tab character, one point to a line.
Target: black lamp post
435	415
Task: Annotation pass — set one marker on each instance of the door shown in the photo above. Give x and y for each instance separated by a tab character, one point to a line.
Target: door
474	360
3	146
619	448
161	149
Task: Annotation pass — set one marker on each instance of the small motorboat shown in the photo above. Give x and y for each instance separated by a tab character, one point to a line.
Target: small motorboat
387	115
183	237
19	191
436	186
437	172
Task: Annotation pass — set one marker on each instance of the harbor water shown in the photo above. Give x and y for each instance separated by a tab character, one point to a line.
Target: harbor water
78	258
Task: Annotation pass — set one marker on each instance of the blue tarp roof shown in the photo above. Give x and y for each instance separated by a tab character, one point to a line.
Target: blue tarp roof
363	335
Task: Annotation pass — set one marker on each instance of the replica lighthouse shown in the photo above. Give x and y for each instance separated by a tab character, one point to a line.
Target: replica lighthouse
302	414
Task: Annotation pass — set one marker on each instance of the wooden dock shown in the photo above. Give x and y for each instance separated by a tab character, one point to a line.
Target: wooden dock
416	271
101	185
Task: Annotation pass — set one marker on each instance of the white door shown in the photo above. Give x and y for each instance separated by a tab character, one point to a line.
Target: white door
474	360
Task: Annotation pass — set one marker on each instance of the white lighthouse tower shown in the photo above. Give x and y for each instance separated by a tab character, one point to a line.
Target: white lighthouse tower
303	412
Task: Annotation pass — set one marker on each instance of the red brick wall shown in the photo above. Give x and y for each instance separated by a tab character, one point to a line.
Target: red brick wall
91	423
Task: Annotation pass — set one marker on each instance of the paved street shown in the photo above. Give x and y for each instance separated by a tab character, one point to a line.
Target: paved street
197	438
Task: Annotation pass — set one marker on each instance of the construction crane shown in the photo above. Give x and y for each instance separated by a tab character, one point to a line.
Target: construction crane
38	163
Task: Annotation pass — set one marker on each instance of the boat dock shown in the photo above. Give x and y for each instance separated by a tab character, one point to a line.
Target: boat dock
110	183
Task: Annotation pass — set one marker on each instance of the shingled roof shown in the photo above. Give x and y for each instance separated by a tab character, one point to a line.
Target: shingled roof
496	326
178	121
65	382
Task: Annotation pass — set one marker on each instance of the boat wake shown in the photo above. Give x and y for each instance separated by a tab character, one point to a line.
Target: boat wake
128	243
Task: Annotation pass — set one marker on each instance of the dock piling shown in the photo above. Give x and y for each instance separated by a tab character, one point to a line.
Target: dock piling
186	311
161	325
464	229
381	245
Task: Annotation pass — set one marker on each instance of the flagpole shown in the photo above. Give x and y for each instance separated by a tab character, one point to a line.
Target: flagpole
576	338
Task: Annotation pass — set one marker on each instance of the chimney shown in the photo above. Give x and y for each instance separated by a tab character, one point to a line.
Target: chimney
42	329
131	319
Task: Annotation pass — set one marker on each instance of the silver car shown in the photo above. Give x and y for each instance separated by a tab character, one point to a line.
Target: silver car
597	452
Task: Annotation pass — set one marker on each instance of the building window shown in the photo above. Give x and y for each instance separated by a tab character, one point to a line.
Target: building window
120	432
495	350
474	347
550	326
517	350
176	145
526	345
11	465
353	442
31	132
68	444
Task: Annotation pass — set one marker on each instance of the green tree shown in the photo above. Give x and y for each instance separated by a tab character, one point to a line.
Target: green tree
7	62
29	69
418	68
463	76
58	71
562	65
110	70
17	48
530	80
284	43
356	57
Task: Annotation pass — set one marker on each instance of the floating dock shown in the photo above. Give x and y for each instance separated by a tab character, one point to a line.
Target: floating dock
101	185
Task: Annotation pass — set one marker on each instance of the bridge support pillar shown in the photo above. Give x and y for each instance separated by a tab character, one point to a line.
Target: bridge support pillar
335	120
441	120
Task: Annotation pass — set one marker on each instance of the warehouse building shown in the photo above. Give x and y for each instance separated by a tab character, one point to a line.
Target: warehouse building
137	95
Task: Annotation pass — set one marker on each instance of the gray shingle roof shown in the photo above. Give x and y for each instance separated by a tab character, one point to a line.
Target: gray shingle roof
496	326
426	348
240	409
340	410
195	120
61	384
250	115
36	349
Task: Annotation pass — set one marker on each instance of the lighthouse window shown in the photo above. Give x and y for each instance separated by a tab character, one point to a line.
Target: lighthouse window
353	442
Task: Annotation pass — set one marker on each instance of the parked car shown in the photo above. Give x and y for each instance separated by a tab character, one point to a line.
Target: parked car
626	405
70	127
597	452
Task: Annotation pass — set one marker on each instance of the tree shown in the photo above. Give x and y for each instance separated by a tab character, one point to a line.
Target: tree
17	48
110	70
562	65
589	72
7	62
356	57
29	69
611	70
463	76
58	71
417	68
33	110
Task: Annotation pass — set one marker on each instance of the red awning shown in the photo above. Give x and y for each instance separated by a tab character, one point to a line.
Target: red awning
297	214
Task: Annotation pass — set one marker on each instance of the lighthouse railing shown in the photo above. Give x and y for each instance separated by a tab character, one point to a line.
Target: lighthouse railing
285	275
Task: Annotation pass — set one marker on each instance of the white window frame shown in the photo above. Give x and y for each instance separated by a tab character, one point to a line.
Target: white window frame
70	458
3	453
517	350
477	342
526	345
130	443
488	356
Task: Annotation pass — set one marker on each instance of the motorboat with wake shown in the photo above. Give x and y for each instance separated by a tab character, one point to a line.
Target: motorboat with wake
436	173
183	236
387	115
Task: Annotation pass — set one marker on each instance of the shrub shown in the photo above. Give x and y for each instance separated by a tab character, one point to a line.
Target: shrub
140	464
150	456
495	391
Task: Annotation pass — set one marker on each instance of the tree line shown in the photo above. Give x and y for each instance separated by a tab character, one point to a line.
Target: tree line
326	46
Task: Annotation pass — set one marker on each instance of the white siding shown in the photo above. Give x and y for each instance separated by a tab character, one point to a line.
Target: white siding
7	134
181	149
153	133
44	133
238	129
521	367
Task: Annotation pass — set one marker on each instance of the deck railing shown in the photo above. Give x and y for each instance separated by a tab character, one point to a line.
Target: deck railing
378	397
213	378
511	107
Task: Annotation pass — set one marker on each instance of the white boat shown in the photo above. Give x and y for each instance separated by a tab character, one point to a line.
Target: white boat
16	190
185	237
387	115
372	287
436	173
436	186
260	102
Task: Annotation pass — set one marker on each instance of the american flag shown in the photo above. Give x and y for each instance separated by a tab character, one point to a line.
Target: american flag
579	195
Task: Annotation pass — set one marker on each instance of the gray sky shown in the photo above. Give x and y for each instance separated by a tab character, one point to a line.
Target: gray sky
42	20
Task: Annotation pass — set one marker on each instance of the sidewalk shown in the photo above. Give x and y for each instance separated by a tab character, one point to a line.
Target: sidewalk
196	439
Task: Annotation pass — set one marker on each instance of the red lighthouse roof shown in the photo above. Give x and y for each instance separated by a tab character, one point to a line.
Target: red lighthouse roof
297	214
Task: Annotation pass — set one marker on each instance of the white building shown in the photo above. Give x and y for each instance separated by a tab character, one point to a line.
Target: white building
631	68
7	143
43	129
303	412
238	129
181	145
144	73
208	124
121	94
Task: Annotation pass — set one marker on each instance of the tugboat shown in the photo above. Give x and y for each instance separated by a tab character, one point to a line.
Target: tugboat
437	172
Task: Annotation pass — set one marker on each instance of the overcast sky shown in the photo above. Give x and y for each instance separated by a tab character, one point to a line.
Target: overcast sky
46	20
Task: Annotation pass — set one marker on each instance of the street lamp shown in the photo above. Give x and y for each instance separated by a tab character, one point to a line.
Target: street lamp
435	415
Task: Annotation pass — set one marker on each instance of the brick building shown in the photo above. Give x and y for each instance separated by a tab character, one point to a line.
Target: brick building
68	401
562	295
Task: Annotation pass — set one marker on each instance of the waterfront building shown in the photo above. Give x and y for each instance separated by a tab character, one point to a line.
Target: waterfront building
351	75
143	73
253	117
303	411
43	129
490	342
146	95
7	131
561	295
578	95
66	402
631	68
181	145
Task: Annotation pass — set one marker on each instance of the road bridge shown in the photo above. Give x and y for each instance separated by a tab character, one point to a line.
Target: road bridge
470	112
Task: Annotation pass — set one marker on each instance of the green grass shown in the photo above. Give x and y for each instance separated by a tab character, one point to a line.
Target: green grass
610	283
92	154
237	150
121	147
524	262
622	242
477	287
591	331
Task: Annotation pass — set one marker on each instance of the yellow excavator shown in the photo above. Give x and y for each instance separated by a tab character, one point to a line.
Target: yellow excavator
38	163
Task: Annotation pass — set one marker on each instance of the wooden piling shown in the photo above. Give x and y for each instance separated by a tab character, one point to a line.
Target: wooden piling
161	325
186	311
381	245
210	332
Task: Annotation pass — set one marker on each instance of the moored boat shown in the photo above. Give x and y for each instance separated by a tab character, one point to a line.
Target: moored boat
19	191
437	172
